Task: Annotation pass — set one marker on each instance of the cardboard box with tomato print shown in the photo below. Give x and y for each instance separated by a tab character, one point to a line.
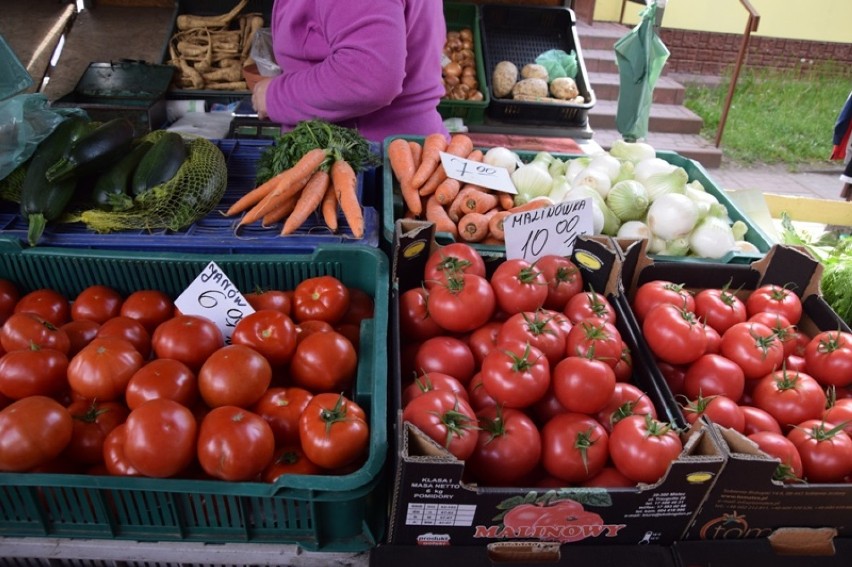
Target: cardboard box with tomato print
745	501
435	502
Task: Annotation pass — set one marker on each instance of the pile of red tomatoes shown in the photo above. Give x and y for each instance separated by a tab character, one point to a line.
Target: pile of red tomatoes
101	383
744	362
524	375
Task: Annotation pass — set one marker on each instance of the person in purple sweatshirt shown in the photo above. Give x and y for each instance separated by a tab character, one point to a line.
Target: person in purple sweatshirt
373	65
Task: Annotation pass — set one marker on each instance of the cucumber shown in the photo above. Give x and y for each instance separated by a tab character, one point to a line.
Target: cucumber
43	200
93	152
160	163
113	185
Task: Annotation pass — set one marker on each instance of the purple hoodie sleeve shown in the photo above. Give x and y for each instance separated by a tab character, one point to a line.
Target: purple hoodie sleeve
363	71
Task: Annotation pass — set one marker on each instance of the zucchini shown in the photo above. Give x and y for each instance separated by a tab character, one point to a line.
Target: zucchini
113	185
43	200
160	163
94	151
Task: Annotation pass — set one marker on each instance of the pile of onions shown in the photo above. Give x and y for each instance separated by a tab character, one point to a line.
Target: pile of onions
459	67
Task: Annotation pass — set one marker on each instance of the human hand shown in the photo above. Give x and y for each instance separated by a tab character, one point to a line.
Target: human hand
258	97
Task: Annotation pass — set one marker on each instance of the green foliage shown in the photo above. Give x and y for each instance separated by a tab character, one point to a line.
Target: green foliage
776	116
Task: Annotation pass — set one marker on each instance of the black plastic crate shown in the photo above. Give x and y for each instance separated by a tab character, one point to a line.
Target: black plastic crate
520	34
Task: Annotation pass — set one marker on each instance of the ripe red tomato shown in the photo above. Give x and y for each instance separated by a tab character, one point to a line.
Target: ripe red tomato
9	296
234	375
448	355
103	368
674	375
276	299
518	286
483	340
642	448
825	449
777	446
609	477
563	277
516	375
774	298
47	303
281	408
652	293
333	431
130	330
595	338
146	428
714	340
446	418
784	331
754	347
574	447
452	259
148	306
415	321
188	338
721	410
712	375
32	372
115	461
464	303
757	420
269	332
627	399
828	357
537	329
36	429
323	298
673	334
80	333
719	308
96	303
324	362
589	305
583	385
477	395
624	367
23	329
361	306
307	328
234	444
93	421
289	459
432	381
508	447
790	397
840	411
546	408
162	378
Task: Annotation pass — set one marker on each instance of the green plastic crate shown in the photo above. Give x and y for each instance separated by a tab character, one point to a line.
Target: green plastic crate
393	207
460	15
316	512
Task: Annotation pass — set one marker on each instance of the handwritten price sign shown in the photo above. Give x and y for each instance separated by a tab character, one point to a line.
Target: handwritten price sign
478	173
214	296
549	230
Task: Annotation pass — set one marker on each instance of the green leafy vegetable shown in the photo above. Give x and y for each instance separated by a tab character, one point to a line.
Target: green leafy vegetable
558	64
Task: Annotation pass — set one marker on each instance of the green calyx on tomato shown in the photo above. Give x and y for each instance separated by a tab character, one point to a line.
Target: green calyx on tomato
335	414
456	422
819	433
583	442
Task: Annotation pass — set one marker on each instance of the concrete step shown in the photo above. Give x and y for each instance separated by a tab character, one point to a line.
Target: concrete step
600	35
600	61
668	118
666	91
692	146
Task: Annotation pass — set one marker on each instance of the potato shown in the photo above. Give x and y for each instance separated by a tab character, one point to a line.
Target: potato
504	78
534	71
530	87
564	88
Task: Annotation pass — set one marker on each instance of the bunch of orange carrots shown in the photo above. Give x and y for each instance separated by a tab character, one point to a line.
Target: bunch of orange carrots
468	212
321	179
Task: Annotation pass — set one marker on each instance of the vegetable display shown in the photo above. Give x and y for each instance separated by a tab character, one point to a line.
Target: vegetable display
459	67
100	401
525	376
742	360
550	79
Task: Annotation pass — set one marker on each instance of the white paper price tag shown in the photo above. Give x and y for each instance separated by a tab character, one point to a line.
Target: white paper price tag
214	296
549	230
478	173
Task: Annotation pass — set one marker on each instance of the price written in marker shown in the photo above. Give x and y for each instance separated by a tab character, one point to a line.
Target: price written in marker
478	173
549	230
214	296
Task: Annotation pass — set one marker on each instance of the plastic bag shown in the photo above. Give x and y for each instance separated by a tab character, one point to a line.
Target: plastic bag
14	77
262	54
558	64
26	120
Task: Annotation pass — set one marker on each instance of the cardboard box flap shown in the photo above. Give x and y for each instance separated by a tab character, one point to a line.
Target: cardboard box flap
600	261
524	552
791	267
411	239
418	445
803	541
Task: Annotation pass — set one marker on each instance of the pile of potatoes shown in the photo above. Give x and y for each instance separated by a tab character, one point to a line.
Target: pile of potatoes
532	84
459	67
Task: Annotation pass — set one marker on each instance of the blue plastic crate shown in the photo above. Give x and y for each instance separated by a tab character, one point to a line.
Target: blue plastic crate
214	233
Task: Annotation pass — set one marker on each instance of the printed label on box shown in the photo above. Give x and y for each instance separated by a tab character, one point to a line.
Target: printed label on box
214	296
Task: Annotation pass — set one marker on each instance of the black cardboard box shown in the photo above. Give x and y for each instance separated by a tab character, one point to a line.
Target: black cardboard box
788	548
433	505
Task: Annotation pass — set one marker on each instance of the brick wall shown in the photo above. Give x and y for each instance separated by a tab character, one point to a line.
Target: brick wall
706	53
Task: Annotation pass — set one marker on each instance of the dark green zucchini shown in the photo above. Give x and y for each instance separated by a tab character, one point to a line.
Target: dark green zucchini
95	151
160	164
113	185
43	200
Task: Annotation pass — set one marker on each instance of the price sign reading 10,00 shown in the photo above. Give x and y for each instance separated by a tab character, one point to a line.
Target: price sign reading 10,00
548	230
